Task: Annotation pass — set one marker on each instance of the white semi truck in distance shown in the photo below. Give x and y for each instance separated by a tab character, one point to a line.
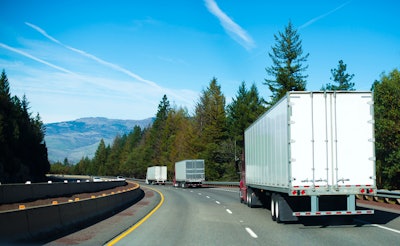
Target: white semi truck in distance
310	154
189	173
156	175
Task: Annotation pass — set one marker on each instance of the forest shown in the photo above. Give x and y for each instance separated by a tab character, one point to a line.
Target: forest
23	152
213	132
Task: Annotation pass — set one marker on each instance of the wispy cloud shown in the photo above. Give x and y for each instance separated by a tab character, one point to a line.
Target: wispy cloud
233	29
93	57
155	87
23	53
323	16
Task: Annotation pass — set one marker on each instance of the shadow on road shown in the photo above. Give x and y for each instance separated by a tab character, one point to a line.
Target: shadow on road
379	217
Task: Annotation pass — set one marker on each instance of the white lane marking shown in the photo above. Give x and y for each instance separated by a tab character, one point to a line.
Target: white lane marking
199	194
217	202
386	228
191	191
229	211
251	232
208	197
379	226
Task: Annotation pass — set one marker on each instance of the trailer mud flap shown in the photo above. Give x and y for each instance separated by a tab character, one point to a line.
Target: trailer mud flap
285	213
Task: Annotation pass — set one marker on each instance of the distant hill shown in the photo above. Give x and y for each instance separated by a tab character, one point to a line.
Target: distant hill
81	137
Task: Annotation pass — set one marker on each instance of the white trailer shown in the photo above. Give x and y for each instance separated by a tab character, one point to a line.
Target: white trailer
189	173
156	175
310	154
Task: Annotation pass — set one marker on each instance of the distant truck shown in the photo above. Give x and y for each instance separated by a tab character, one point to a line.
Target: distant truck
310	154
189	173
156	175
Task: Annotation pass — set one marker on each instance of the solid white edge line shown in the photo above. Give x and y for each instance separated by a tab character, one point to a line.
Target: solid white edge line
379	226
386	228
251	232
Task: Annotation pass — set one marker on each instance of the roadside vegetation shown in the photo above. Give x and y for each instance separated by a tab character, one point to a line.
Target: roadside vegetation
214	132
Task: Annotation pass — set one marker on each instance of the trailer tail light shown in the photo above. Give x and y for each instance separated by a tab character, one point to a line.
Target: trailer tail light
367	191
298	192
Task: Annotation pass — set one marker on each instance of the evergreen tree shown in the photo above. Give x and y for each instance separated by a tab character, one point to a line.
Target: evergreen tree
341	78
113	158
243	111
387	129
212	128
132	141
23	152
158	138
99	160
287	64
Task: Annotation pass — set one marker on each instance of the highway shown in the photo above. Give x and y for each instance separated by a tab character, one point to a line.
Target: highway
214	216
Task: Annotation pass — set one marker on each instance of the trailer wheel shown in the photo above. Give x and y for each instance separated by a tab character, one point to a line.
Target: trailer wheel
277	211
273	208
249	197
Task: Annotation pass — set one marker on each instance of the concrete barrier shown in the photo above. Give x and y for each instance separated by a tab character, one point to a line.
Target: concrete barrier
44	222
11	193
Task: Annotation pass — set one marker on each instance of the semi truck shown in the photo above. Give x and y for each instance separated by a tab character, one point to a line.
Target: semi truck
310	155
156	175
189	173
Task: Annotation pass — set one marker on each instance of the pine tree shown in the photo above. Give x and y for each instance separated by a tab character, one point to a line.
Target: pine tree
23	152
99	160
244	110
287	64
341	78
158	136
212	128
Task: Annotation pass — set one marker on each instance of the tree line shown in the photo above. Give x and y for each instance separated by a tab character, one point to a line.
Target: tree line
23	153
215	130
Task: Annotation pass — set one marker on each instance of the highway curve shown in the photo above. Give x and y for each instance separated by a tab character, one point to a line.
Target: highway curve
214	216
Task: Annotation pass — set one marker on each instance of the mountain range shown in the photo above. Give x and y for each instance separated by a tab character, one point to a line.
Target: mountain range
80	138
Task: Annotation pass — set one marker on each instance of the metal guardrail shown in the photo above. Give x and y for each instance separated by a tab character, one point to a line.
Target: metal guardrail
388	194
221	183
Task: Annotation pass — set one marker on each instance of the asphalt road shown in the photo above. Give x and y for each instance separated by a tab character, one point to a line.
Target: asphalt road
214	216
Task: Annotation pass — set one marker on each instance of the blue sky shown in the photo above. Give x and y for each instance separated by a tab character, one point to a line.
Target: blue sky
117	59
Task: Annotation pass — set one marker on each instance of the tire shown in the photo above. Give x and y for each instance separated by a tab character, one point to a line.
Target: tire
249	201
273	208
277	211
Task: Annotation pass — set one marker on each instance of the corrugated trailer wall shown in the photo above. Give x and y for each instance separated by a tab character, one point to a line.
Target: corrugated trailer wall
266	148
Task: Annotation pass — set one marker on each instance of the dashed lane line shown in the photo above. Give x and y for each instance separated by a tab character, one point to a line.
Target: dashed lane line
229	211
251	232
